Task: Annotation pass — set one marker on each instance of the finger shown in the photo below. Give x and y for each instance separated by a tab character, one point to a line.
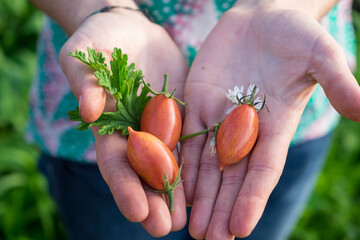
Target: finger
190	153
207	186
232	179
123	182
158	222
264	170
83	84
334	75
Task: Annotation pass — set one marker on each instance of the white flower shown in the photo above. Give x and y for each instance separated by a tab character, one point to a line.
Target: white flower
212	147
237	97
234	95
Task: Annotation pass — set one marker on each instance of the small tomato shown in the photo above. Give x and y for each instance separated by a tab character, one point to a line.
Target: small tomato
237	135
161	117
152	160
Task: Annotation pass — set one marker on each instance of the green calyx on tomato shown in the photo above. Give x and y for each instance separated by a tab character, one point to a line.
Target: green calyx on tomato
249	98
164	90
170	188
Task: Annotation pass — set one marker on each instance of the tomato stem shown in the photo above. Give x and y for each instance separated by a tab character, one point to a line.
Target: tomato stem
170	195
169	189
166	83
252	96
146	85
193	134
172	94
164	91
213	128
169	192
178	101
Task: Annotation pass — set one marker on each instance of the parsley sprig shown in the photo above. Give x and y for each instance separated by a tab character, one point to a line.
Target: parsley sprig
123	82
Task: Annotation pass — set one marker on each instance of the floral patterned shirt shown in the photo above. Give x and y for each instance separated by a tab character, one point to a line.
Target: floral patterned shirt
188	22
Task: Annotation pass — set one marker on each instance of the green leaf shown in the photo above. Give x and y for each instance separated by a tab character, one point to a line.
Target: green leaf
103	77
74	115
123	82
141	101
108	122
95	60
118	68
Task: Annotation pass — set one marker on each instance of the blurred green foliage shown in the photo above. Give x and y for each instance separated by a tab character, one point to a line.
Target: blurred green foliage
26	210
19	27
333	211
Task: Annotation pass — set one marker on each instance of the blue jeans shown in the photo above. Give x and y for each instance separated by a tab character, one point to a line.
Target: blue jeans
89	212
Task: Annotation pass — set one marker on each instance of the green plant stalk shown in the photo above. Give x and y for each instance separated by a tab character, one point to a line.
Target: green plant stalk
193	135
213	128
169	189
164	90
166	83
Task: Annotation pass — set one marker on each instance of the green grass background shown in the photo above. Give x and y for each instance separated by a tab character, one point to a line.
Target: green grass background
26	210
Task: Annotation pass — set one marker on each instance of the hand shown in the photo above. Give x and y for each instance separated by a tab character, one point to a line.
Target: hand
152	50
285	53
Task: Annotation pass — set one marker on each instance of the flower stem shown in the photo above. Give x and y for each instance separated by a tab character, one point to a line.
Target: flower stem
164	90
169	189
213	128
178	100
252	96
170	195
149	88
166	83
194	134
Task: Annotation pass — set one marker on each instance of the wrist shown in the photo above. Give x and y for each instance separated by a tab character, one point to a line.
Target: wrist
88	9
70	14
315	9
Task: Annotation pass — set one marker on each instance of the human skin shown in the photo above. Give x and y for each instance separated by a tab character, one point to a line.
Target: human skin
277	45
280	47
146	44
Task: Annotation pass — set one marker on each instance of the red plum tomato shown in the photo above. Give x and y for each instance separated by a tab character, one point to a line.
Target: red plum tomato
237	135
161	117
151	159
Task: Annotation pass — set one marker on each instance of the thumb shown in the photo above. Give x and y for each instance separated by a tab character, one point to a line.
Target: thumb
335	77
84	85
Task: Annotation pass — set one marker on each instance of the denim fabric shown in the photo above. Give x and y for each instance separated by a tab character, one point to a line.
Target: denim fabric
89	212
86	206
